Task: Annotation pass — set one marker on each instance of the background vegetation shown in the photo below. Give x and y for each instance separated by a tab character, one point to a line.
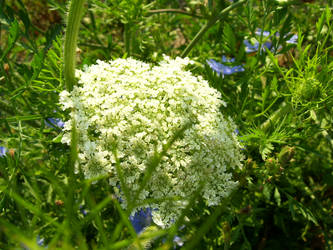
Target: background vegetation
281	102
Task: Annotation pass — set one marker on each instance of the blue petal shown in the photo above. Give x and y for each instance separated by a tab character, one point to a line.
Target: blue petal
141	219
233	69
225	59
264	33
217	67
82	210
268	45
3	151
179	242
249	47
40	241
293	39
220	68
54	122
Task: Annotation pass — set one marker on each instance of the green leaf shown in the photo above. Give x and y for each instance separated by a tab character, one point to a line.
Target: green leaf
277	196
267	191
295	206
320	24
13	33
229	38
25	19
58	138
265	150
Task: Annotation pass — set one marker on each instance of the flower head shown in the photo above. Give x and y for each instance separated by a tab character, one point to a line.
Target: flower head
220	68
253	47
135	109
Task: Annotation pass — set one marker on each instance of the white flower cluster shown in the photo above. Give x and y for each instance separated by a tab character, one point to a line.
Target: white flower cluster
137	108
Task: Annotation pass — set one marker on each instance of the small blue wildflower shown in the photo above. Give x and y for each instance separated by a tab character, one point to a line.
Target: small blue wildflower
141	219
3	151
249	47
40	241
254	47
258	32
54	122
82	210
236	131
293	39
178	241
220	68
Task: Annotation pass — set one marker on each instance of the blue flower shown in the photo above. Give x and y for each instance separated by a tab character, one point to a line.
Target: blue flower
293	39
258	32
236	131
220	68
3	151
254	46
54	123
40	241
249	47
82	210
178	241
141	219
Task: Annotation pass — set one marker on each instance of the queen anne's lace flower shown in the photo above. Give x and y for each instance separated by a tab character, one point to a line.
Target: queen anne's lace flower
137	108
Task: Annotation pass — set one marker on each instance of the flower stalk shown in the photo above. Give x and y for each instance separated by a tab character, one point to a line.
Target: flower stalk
72	30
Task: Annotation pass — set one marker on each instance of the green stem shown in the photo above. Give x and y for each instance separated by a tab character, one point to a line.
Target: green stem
127	38
210	23
177	11
72	30
197	38
263	112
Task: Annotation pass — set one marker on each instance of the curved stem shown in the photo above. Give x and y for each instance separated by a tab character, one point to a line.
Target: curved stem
197	38
178	11
210	23
72	30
